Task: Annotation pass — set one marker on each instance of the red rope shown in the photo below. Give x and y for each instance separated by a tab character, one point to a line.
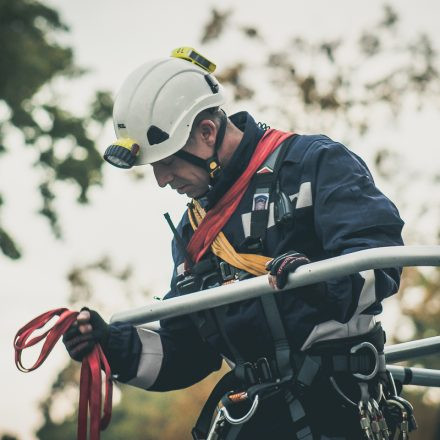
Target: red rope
90	381
219	215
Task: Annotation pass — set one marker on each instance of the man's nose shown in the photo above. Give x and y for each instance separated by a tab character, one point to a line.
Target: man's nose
163	175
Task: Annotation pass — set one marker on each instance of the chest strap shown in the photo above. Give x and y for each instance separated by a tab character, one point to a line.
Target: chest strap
267	193
221	212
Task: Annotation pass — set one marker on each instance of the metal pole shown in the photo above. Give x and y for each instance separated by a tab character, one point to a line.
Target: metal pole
412	349
415	376
377	258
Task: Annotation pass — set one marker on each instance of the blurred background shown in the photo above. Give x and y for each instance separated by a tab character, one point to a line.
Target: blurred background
74	231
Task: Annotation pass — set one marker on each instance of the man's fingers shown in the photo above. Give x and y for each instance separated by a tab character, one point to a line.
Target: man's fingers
85	328
83	320
81	350
273	281
83	317
73	342
269	264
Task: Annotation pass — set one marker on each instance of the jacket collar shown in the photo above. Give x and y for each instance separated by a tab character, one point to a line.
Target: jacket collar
252	134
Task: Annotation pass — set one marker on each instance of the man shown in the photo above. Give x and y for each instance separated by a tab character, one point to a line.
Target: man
307	361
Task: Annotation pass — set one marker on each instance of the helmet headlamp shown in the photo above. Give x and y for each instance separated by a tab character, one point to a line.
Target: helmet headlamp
122	153
157	105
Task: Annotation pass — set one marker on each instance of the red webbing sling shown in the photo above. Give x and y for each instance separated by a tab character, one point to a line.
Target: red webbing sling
219	214
90	381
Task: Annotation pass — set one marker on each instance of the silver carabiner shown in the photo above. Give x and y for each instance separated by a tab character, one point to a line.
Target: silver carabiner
243	419
370	346
216	426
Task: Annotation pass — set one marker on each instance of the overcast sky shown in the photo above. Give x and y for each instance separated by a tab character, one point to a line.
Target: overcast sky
111	37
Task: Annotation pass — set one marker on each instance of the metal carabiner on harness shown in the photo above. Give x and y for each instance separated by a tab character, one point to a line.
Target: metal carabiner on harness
243	419
370	346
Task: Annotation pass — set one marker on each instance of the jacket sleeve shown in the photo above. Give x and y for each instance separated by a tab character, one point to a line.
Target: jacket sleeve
351	214
168	358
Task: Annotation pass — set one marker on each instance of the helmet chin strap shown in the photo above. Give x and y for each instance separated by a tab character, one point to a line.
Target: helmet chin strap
212	164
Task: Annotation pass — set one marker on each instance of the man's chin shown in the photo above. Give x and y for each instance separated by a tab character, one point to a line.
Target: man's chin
191	192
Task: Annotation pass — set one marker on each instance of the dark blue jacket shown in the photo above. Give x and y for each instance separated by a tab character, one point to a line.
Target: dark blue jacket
338	210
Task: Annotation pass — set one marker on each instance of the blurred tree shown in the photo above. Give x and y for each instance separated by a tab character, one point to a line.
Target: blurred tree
349	93
345	86
336	79
32	61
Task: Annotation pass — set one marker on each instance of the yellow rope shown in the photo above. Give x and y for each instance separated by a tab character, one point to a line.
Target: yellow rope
254	264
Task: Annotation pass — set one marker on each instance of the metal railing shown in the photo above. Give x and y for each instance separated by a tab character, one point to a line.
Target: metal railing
377	258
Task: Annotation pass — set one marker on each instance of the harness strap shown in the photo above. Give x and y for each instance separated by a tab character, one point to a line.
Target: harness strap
275	323
219	214
305	372
265	181
90	381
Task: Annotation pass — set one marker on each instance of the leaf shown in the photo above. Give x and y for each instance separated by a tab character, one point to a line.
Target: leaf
215	26
102	107
8	246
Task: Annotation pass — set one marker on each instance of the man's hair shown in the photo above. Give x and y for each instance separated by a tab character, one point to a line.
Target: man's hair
214	114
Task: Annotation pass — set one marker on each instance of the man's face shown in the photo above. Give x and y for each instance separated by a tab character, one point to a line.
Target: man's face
183	176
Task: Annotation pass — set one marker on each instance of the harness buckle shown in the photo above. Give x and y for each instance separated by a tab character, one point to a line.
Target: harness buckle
257	372
250	373
227	271
264	370
369	346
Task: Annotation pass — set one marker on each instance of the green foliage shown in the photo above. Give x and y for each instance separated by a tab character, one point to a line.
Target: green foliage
307	79
102	107
31	59
8	246
214	28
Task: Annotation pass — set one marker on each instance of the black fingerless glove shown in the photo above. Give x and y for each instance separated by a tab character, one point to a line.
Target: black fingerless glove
284	264
79	344
313	294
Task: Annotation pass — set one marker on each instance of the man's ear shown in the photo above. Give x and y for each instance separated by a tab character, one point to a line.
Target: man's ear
207	130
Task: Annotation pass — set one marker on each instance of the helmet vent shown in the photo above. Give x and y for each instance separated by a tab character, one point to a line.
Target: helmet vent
155	135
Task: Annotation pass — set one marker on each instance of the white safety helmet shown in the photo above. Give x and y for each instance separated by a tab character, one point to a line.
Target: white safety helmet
155	108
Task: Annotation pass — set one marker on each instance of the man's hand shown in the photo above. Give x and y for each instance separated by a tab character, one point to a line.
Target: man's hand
88	330
280	267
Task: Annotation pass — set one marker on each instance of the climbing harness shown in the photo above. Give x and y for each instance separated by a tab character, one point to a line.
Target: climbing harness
90	381
219	214
288	374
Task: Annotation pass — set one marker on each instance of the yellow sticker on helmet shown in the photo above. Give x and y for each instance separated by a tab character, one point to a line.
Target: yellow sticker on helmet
191	55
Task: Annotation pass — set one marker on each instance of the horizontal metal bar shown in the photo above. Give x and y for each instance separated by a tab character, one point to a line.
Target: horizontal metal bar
377	258
412	349
415	376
